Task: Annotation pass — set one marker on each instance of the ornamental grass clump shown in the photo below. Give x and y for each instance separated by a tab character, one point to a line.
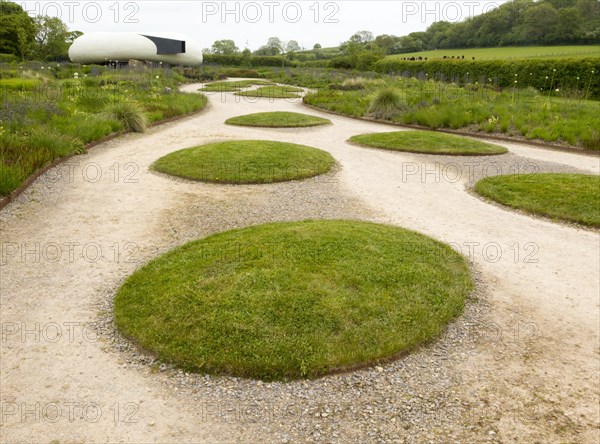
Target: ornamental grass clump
130	114
388	103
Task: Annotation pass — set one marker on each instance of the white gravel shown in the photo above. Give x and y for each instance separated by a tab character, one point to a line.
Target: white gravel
521	365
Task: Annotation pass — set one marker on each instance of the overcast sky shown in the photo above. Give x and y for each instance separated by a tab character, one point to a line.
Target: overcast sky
250	24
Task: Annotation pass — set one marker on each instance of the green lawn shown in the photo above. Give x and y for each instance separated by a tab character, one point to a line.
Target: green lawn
273	92
567	197
246	162
278	120
231	86
428	142
520	52
293	300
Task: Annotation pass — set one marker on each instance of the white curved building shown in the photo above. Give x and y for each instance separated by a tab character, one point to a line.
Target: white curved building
102	47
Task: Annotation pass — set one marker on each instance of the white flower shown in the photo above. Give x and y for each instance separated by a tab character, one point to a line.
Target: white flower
158	77
557	90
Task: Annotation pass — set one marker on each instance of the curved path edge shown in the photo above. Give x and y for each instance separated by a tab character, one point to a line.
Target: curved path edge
4	201
555	147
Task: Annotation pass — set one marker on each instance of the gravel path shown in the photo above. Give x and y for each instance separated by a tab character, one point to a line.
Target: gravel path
521	365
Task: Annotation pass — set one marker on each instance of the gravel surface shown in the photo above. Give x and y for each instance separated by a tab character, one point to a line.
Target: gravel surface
405	401
521	364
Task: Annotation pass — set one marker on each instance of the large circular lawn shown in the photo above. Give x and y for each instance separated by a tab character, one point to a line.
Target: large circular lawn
293	300
246	162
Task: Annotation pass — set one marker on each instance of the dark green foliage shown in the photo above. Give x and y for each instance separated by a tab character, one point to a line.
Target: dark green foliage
515	23
240	60
545	74
17	30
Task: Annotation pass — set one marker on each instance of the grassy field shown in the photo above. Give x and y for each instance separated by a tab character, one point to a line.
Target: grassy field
427	142
293	300
567	197
44	116
246	162
521	52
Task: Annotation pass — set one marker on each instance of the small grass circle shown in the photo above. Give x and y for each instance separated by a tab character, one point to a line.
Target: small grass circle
293	300
278	120
273	92
234	86
428	142
567	197
246	162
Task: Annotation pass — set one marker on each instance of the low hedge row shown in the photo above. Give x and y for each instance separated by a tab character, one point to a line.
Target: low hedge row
581	74
241	60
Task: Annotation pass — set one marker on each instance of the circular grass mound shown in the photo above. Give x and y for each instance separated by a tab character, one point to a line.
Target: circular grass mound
246	162
428	142
293	300
567	197
273	92
278	120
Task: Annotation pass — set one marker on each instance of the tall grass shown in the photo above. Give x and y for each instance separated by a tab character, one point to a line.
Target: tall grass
524	113
45	116
386	104
130	114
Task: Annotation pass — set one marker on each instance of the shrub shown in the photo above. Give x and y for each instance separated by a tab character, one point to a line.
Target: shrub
58	144
241	72
386	104
352	84
87	127
8	58
130	114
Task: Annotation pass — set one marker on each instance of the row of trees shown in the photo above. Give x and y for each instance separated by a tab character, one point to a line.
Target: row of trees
41	38
274	47
516	23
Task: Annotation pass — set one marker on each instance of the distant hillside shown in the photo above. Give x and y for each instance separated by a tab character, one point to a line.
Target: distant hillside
508	53
516	23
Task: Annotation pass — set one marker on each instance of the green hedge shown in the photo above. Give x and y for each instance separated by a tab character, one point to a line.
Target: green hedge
240	60
540	74
8	58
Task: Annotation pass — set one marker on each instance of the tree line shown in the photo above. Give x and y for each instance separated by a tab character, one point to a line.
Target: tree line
40	38
516	23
